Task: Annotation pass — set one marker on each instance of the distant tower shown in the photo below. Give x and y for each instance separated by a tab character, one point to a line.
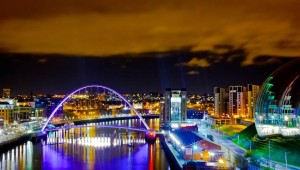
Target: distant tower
237	101
252	92
175	106
6	93
220	101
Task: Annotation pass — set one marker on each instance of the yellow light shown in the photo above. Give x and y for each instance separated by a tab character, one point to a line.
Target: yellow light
221	161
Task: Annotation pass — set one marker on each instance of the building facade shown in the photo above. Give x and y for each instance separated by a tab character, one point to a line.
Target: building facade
175	106
252	92
7	112
23	110
220	101
237	101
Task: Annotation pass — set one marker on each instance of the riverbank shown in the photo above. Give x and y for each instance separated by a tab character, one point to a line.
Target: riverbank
10	141
173	156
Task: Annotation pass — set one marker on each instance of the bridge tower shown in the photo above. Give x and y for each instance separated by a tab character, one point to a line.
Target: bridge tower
150	136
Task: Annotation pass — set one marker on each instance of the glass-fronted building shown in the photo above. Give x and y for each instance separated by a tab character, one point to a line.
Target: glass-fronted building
175	106
277	110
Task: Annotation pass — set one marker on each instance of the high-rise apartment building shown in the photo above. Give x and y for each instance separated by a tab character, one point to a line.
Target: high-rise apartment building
220	101
252	92
6	93
175	106
237	101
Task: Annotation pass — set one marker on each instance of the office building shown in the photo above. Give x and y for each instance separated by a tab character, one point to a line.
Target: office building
252	92
175	106
7	112
220	101
237	101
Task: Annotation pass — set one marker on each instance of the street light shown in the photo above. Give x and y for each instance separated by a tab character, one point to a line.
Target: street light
211	155
195	147
221	162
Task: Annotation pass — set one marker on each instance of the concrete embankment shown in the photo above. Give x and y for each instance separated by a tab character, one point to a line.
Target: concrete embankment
13	142
171	156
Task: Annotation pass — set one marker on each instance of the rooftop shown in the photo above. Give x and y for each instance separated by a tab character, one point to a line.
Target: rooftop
186	137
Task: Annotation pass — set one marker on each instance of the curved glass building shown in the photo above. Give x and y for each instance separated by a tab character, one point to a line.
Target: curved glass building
277	110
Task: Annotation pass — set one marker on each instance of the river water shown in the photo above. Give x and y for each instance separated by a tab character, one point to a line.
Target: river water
90	148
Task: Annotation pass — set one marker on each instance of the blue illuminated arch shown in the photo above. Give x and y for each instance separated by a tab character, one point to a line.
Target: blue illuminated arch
97	86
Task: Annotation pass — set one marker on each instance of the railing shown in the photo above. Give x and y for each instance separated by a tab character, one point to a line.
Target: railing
102	126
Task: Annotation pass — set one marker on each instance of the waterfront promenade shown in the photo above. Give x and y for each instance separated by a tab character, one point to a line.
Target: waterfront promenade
232	150
9	137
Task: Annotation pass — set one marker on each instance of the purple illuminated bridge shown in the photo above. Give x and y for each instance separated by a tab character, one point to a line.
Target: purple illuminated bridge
150	134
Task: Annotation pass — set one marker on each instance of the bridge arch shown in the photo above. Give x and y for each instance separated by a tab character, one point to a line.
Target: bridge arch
96	86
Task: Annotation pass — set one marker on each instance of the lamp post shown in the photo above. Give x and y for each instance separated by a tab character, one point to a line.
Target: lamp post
269	154
192	154
286	119
285	156
221	162
194	147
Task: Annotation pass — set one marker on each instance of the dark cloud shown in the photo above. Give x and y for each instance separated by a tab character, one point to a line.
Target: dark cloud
287	44
108	28
42	60
222	55
192	72
267	60
197	62
62	74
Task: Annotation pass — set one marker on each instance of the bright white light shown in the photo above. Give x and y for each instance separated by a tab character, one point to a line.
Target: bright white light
174	138
221	161
29	131
174	125
286	118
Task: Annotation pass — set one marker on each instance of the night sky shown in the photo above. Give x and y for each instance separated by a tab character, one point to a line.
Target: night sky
55	46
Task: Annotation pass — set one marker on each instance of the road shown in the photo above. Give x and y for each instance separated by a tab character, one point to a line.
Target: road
220	139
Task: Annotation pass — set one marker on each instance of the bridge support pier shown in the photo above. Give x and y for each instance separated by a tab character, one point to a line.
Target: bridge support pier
150	136
36	137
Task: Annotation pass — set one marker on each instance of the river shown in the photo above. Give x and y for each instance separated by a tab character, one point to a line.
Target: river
90	148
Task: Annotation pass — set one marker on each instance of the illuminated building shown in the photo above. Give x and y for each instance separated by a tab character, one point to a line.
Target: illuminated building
193	147
237	101
175	106
277	109
40	107
252	92
23	110
7	112
6	93
220	101
52	104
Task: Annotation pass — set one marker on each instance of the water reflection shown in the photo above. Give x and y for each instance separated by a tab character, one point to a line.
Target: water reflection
89	148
